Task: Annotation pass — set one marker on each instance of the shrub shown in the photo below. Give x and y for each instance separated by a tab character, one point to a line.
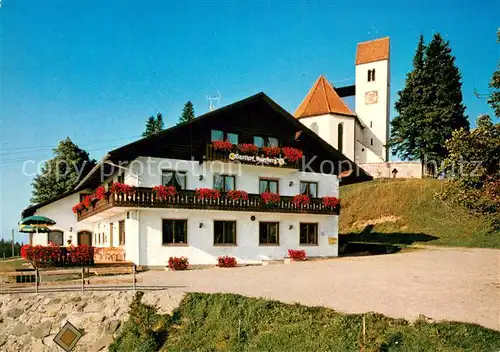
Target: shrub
330	202
292	154
301	199
271	151
207	193
164	192
226	262
270	197
297	254
225	146
247	148
53	255
176	263
235	195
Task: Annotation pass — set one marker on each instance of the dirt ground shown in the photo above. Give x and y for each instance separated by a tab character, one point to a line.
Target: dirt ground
442	284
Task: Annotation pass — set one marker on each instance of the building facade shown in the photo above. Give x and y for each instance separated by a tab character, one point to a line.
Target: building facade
237	187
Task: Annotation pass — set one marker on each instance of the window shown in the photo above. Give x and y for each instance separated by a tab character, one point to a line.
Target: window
121	232
266	185
371	75
340	140
121	178
371	124
269	233
224	183
56	237
371	141
224	232
315	127
308	233
260	141
174	178
174	232
309	188
218	135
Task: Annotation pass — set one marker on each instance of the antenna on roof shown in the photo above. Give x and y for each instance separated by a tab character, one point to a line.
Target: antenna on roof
211	99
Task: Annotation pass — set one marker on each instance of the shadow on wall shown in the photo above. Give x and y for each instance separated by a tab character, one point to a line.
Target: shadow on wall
368	242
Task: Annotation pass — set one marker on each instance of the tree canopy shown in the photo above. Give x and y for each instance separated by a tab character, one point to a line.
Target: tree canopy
153	125
61	174
430	105
187	113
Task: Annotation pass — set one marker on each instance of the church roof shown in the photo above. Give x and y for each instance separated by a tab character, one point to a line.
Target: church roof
373	50
322	99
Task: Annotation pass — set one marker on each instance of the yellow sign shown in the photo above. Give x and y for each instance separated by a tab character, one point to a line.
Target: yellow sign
332	240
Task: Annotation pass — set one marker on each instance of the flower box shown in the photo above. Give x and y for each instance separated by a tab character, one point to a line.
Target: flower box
207	193
297	254
270	197
236	195
225	146
292	154
330	202
271	151
122	188
301	199
164	192
247	148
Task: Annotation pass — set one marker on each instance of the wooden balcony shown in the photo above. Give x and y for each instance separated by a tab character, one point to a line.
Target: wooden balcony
235	156
145	198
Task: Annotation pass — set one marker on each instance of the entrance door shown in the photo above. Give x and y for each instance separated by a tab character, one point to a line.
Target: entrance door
111	235
85	237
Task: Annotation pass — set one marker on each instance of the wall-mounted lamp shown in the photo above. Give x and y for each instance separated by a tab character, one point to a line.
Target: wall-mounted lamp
252	218
200	225
70	229
290	227
200	178
290	183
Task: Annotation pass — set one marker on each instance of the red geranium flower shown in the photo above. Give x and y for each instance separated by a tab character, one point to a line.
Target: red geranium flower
270	198
271	151
292	154
222	145
235	195
301	199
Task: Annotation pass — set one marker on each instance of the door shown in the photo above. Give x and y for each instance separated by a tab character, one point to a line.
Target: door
85	237
111	235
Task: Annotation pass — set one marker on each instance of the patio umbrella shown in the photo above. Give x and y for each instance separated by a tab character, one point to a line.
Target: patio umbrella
37	220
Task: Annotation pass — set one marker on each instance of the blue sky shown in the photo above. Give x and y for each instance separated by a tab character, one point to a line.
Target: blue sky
96	70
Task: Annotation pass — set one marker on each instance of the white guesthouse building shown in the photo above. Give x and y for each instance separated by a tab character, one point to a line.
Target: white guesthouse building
146	229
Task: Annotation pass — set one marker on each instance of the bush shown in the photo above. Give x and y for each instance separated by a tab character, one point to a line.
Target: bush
226	262
297	254
175	263
53	255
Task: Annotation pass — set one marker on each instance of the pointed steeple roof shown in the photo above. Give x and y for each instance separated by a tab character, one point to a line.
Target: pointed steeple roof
322	99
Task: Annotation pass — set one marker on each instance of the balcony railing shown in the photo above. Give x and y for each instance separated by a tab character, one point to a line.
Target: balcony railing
234	156
186	199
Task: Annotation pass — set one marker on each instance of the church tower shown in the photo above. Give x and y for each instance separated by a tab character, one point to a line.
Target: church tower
372	99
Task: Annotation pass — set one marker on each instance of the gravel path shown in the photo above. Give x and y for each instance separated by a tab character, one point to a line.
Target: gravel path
451	284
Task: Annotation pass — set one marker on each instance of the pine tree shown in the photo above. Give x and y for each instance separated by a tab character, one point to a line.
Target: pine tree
406	138
61	173
430	106
187	113
153	125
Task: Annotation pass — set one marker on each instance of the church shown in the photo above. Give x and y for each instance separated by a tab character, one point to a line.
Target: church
361	135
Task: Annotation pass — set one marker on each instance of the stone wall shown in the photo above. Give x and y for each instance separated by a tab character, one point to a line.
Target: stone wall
29	322
405	169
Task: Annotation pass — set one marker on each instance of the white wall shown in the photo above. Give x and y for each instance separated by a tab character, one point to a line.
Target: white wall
60	211
201	250
375	115
384	170
247	176
328	131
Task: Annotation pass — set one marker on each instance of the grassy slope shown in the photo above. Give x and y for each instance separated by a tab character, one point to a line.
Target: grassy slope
227	322
419	215
13	264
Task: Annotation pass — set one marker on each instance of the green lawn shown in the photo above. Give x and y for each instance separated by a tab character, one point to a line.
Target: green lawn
407	212
13	264
228	322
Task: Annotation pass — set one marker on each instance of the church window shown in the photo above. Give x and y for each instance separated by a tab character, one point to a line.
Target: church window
371	124
371	141
371	75
340	139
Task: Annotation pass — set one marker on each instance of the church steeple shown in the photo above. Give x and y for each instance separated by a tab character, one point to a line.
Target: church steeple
322	99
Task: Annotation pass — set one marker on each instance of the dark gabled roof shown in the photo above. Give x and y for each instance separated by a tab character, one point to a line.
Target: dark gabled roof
132	150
